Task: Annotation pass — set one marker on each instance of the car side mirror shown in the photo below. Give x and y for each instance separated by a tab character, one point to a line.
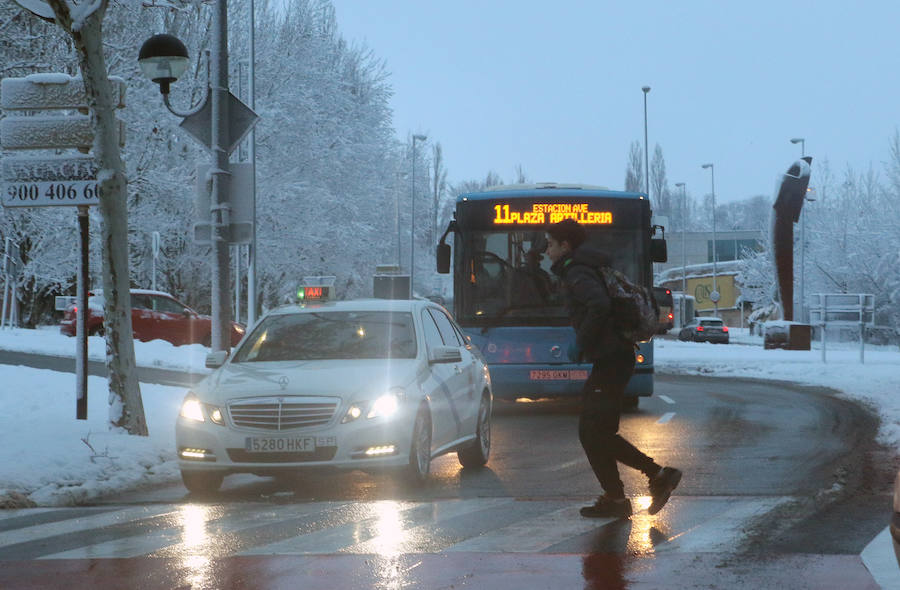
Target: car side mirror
444	354
187	312
214	360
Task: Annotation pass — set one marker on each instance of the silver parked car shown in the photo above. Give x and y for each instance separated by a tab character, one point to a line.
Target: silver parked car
371	385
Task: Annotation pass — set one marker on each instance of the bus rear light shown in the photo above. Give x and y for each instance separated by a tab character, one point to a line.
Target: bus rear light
724	328
699	328
671	316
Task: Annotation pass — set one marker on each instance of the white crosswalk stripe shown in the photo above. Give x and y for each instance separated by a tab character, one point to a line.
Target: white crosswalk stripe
479	525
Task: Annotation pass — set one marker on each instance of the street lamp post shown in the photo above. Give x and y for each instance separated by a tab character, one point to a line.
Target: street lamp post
412	221
802	142
163	58
683	258
646	89
715	292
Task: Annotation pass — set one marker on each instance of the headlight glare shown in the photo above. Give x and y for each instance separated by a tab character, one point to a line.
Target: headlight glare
216	416
191	408
385	406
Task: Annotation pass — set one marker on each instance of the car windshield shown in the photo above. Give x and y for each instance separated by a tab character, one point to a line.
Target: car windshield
331	335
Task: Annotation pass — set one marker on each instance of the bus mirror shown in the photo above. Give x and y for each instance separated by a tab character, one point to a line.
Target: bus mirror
443	258
658	250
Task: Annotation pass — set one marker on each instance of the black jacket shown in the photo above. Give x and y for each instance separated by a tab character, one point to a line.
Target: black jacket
589	305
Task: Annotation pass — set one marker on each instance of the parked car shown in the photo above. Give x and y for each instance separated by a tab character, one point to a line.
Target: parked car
705	330
372	385
154	314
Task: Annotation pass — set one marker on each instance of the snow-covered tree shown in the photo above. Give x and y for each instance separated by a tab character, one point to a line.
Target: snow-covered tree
634	169
83	22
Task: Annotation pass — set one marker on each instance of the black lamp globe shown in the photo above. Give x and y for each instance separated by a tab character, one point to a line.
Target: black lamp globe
163	58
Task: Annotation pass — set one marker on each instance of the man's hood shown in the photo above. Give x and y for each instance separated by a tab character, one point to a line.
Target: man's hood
590	256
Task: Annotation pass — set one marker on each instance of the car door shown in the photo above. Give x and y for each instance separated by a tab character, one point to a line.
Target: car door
438	385
463	402
172	323
142	320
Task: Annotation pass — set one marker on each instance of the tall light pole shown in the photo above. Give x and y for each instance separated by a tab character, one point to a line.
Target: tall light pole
802	142
715	292
412	221
646	89
683	258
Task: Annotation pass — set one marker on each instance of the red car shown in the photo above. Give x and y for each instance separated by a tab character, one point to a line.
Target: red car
154	314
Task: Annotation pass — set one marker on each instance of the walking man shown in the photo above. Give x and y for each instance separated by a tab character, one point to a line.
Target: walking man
596	340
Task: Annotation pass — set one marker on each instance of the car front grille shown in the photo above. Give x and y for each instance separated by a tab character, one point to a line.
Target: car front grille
282	413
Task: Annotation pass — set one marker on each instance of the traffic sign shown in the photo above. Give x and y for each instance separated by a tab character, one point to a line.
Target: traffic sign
241	120
41	132
715	296
52	91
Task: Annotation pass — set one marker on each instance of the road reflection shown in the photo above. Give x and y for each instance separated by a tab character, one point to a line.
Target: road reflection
196	544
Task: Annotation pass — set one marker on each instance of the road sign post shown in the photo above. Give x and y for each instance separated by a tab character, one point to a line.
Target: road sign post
54	180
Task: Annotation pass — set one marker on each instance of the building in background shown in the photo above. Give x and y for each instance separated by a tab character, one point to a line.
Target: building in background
731	247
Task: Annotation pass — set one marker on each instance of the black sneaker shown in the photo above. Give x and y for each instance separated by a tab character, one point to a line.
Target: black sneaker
608	508
661	486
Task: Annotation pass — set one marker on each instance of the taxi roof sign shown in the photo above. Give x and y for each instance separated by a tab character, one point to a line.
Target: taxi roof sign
314	289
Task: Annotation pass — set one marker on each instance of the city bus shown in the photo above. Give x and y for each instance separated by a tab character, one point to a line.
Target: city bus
508	301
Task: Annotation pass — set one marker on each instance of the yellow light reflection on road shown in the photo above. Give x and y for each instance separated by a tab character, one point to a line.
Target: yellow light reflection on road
196	544
644	533
390	534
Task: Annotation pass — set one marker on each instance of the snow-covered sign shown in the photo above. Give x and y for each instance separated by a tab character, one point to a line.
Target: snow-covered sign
52	91
50	180
842	308
38	7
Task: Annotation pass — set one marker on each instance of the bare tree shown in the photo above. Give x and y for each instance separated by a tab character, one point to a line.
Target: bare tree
634	171
660	183
83	22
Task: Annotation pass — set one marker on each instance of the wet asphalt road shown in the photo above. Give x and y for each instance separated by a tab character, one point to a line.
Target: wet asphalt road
778	479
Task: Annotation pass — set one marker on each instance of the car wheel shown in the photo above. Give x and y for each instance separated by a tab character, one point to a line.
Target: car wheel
98	331
202	482
207	340
420	449
477	454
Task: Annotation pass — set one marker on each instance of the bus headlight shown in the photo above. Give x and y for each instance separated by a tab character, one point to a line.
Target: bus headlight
640	359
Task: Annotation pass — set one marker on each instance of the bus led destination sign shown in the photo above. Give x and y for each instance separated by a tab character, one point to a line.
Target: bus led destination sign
542	213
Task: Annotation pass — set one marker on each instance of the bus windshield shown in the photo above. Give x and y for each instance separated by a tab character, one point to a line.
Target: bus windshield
505	278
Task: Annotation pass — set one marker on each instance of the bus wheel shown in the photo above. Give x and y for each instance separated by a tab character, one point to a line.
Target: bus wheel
630	403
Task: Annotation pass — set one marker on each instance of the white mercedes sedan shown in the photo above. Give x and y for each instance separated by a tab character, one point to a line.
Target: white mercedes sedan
371	385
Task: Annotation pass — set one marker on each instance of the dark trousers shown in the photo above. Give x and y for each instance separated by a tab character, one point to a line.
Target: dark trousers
598	427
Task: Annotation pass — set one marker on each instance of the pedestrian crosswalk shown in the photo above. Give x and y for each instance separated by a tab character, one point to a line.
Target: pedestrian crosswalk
385	527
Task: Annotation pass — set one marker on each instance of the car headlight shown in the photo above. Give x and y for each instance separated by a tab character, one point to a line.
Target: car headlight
192	409
385	406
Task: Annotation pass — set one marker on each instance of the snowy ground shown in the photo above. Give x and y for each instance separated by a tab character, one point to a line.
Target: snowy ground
50	458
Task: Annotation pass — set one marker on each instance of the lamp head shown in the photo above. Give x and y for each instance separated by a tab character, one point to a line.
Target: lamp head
163	58
679	184
797	140
420	137
706	166
646	89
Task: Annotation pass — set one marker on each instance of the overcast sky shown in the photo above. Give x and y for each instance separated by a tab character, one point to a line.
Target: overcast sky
556	86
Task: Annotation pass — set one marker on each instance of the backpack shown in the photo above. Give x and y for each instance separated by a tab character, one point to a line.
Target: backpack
634	312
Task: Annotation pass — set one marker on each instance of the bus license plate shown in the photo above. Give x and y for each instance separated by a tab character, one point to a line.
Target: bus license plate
297	444
558	375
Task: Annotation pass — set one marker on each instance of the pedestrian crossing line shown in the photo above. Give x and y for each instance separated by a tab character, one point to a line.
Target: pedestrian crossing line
666	399
200	532
666	417
191	526
383	527
534	535
723	531
79	524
